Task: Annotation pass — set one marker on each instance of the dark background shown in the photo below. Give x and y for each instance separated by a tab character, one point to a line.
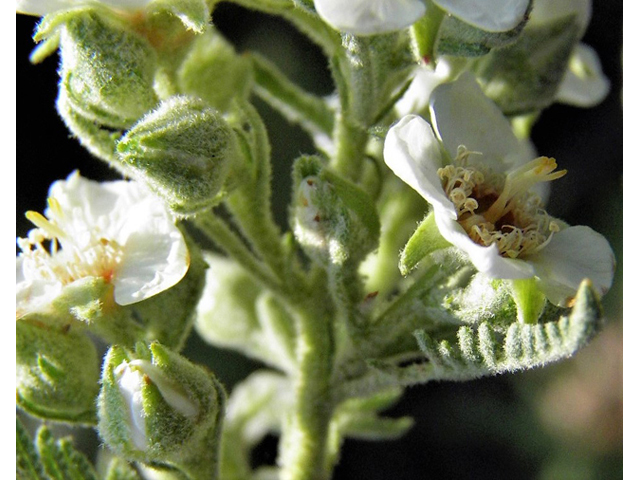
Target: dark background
562	422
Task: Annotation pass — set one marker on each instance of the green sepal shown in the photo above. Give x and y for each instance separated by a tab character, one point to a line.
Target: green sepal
57	370
183	151
61	460
45	49
214	72
182	405
100	141
528	298
28	464
524	77
425	240
457	38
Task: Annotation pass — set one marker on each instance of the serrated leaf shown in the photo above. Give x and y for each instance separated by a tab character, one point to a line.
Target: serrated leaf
28	465
61	460
525	76
491	350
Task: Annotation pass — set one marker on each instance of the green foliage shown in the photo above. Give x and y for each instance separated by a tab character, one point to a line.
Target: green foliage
425	240
49	458
488	349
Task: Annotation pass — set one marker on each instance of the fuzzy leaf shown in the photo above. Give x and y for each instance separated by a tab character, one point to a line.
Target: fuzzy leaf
491	350
28	465
61	460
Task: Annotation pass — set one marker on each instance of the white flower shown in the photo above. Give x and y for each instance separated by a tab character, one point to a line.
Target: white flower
44	7
482	198
488	15
368	17
117	231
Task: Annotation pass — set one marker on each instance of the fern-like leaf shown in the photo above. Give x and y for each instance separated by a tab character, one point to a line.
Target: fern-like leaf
490	350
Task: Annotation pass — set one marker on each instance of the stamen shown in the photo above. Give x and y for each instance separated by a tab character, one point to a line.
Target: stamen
43	223
520	181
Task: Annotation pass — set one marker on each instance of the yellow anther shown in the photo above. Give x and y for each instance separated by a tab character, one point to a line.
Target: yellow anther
44	224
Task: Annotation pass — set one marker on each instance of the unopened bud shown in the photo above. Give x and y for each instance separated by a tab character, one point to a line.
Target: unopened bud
183	150
158	408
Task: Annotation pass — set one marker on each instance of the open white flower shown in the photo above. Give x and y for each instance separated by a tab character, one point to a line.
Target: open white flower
44	7
482	197
117	231
369	17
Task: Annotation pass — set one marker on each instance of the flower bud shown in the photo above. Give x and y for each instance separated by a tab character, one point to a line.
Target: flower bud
212	61
57	370
107	70
334	220
183	150
157	407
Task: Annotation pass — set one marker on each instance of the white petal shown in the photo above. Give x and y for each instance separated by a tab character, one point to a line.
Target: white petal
488	15
486	259
572	255
412	151
463	115
368	17
584	84
151	264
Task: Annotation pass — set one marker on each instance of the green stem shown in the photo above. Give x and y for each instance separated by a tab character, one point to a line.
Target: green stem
351	141
297	105
220	233
306	434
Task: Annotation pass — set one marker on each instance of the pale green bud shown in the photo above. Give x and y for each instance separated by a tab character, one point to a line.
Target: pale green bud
158	408
213	71
334	220
107	70
57	370
183	150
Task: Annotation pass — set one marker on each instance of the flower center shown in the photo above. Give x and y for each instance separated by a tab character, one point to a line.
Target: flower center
502	210
82	255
